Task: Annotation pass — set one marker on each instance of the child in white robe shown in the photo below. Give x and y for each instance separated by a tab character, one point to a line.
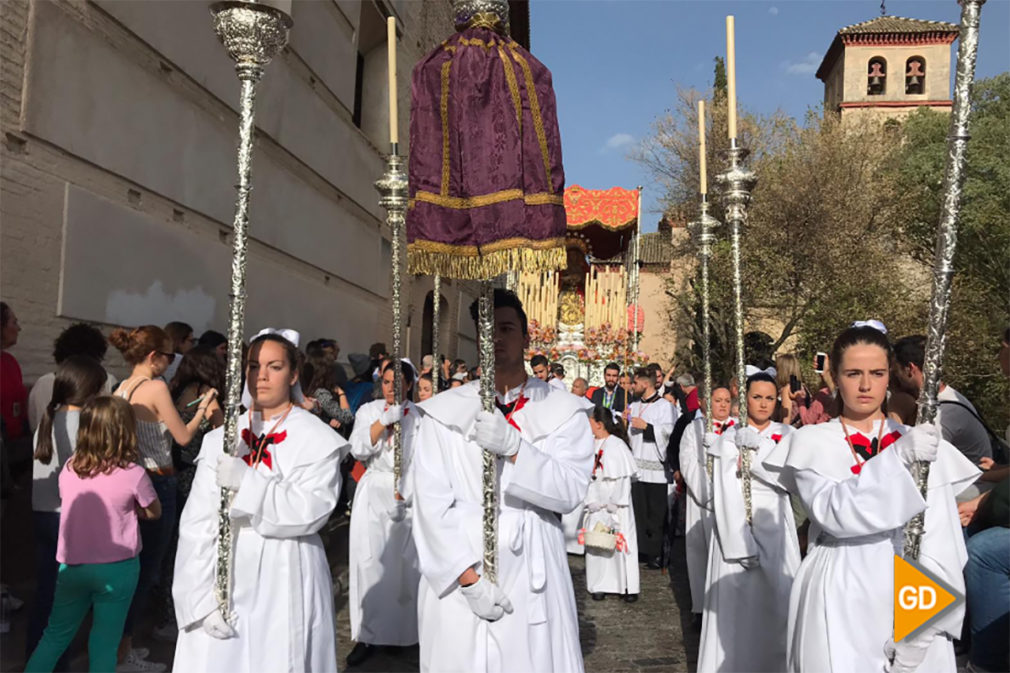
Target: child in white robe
750	565
853	477
608	502
383	568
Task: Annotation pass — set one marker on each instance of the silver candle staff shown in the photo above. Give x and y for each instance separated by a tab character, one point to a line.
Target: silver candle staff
703	236
946	244
436	313
736	185
485	328
253	34
392	187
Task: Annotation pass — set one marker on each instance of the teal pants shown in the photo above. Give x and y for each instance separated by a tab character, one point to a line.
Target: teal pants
106	587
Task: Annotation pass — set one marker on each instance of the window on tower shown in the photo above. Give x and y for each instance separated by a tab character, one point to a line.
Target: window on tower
915	75
876	76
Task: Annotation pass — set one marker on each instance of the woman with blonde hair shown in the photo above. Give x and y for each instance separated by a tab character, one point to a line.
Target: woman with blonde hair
149	350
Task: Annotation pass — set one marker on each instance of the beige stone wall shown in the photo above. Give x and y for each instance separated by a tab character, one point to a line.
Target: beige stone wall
937	56
118	166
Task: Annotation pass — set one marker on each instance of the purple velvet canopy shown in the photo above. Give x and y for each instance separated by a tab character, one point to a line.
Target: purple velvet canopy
486	183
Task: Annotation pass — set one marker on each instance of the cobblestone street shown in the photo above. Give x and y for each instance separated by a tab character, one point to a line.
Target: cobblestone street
653	635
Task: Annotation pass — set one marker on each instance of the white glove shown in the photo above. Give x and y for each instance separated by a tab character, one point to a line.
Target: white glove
216	627
391	415
906	656
747	438
399	512
749	562
710	440
486	600
921	443
230	471
612	508
493	432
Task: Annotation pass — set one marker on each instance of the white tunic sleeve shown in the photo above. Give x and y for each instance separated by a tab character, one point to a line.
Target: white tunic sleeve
196	556
297	505
362	447
736	539
554	473
881	498
691	469
443	550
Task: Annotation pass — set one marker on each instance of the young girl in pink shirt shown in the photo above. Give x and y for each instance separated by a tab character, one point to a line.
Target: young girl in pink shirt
103	491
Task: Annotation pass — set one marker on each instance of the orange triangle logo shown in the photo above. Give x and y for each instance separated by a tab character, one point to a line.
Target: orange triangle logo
919	597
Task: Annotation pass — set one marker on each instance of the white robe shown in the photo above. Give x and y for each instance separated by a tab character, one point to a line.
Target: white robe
746	611
650	455
570	524
383	568
841	611
698	519
549	477
282	593
613	572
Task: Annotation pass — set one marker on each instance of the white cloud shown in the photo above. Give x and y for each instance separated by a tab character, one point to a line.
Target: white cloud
805	66
774	11
618	141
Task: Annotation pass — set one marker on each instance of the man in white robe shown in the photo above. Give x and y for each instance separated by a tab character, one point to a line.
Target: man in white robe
650	424
698	517
527	621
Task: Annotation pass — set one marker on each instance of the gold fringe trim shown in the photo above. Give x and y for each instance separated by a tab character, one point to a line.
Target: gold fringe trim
510	78
466	202
485	265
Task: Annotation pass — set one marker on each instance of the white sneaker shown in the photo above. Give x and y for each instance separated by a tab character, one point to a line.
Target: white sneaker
137	664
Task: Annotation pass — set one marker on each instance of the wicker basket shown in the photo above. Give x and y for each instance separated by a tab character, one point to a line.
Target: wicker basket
600	538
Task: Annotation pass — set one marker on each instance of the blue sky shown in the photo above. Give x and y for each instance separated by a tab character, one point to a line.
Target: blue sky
617	64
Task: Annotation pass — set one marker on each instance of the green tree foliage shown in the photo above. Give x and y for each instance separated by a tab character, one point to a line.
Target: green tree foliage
980	305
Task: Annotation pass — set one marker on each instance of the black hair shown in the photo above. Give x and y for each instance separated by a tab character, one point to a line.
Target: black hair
79	339
200	365
860	335
503	299
5	313
538	360
758	378
654	368
614	425
407	371
178	331
910	350
79	378
644	373
558	370
472	373
212	339
612	366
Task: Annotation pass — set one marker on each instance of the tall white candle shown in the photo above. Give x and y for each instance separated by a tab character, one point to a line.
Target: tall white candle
731	74
394	132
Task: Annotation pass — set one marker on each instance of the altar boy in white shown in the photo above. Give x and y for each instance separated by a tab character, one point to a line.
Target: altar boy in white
528	620
287	478
751	565
650	423
383	561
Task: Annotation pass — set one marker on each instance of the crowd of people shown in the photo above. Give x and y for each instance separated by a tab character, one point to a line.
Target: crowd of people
791	507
